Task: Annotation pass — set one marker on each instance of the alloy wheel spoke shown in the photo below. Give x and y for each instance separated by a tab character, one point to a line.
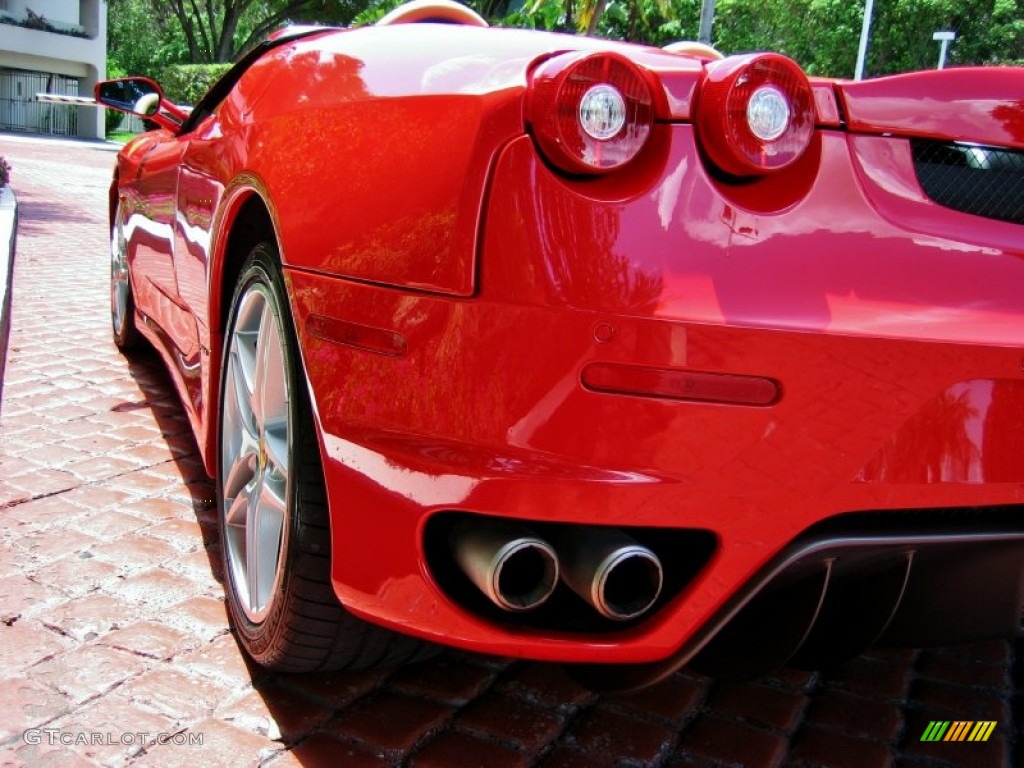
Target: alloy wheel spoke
240	474
275	441
269	385
275	403
252	554
244	343
269	526
237	513
242	395
260	372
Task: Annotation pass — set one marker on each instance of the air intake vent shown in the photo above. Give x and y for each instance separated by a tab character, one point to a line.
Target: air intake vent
984	181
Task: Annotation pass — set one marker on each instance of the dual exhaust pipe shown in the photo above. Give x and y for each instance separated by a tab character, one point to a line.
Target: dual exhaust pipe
518	571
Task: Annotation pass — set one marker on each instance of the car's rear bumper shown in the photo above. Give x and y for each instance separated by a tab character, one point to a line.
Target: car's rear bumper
895	350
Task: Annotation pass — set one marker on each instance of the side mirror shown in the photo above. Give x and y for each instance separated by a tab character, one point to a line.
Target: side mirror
138	96
141	97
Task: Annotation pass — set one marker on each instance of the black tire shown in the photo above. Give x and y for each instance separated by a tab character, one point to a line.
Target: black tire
122	299
302	627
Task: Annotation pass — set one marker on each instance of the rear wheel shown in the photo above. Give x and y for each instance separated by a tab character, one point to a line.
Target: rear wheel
275	529
122	302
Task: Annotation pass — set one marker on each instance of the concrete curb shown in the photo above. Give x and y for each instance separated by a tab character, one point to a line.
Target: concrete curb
8	239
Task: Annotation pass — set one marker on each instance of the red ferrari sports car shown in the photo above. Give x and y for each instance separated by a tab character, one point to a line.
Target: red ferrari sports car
570	349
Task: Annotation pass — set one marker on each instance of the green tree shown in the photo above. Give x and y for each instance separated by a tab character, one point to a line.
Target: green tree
821	35
137	42
208	31
657	22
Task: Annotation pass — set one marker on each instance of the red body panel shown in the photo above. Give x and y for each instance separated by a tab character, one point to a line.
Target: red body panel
979	105
897	372
449	289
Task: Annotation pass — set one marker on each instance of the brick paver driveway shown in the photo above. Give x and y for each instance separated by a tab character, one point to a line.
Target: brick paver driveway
114	632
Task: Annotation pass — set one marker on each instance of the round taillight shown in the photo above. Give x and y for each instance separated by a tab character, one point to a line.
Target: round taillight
755	113
590	113
602	112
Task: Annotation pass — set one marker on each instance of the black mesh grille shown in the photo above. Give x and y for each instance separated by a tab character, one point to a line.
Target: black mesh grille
985	181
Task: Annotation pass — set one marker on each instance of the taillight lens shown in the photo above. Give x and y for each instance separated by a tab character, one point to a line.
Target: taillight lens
755	113
590	113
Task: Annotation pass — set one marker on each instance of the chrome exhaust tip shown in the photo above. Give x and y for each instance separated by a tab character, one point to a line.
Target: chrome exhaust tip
515	569
618	576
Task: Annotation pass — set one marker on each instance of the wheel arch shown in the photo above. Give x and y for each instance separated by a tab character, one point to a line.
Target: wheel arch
113	196
246	218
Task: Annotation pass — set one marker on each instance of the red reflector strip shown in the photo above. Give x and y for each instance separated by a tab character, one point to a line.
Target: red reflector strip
363	337
680	385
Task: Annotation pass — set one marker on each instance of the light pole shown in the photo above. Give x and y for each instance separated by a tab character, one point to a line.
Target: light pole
865	33
707	18
944	38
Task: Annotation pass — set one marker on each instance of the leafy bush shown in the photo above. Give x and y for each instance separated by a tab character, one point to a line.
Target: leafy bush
111	120
187	83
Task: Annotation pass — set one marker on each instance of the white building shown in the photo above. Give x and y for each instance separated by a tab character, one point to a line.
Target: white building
53	46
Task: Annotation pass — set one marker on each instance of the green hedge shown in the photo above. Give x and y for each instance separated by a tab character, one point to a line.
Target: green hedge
186	83
111	120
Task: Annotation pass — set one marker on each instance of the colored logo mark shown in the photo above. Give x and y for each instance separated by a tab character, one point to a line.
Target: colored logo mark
959	730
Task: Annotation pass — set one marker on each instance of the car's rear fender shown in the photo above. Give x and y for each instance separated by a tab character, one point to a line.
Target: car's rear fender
379	172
